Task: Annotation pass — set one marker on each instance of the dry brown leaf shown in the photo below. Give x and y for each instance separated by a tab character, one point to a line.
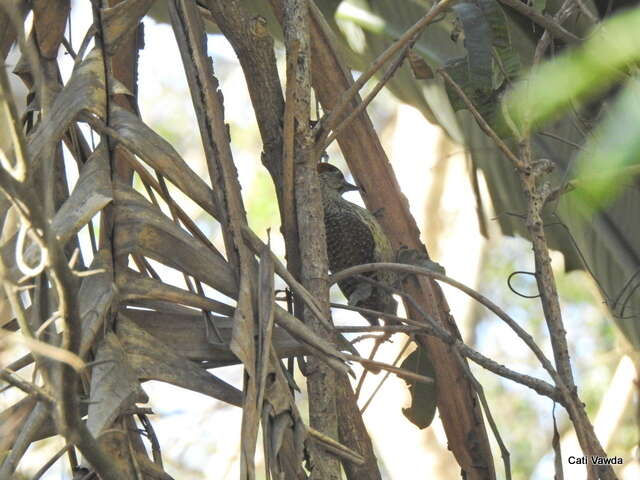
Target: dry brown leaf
186	333
16	415
284	432
91	194
121	21
114	386
145	230
11	419
50	21
134	286
159	154
155	360
266	295
84	92
96	297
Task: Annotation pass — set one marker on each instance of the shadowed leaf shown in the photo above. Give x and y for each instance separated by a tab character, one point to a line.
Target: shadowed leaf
423	395
121	21
186	333
114	386
96	297
159	154
90	195
84	92
147	231
133	286
152	359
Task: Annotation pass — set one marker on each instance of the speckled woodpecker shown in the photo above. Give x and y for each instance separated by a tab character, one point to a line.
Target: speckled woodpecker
354	237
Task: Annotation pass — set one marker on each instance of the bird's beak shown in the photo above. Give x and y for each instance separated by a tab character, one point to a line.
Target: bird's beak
348	187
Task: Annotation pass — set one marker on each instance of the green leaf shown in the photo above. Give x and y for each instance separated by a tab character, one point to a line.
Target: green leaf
486	36
423	395
613	151
506	58
579	74
477	41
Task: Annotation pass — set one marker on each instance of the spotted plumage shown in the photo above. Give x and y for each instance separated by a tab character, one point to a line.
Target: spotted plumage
354	237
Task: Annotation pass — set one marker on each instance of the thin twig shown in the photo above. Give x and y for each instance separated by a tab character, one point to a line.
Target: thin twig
545	22
374	365
484	126
378	341
27	387
385	316
528	340
44	349
50	462
564	12
561	139
328	122
335	447
539	386
298	289
368	99
386	375
380	328
506	456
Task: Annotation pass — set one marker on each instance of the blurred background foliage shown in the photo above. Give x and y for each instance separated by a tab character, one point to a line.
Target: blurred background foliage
437	167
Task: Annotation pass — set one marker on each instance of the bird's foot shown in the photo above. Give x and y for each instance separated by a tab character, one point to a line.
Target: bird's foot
411	256
379	212
362	292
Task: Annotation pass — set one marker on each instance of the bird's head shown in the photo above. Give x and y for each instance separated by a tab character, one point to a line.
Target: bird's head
332	179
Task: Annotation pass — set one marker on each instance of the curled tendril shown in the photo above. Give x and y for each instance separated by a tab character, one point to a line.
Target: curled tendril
25	269
520	272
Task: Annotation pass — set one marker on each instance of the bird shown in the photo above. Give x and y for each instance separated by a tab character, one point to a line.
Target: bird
354	237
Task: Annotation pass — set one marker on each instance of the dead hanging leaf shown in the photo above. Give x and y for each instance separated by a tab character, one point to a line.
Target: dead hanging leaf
160	155
152	359
266	297
186	333
283	430
283	457
421	69
49	22
243	345
121	21
423	395
190	36
114	386
281	422
96	297
145	230
274	431
91	194
135	286
84	92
